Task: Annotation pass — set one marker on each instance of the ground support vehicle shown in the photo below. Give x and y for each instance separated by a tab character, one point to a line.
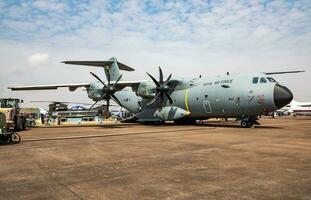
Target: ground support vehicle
7	136
15	120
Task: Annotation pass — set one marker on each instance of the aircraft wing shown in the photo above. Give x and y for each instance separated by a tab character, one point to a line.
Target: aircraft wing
283	72
133	84
71	86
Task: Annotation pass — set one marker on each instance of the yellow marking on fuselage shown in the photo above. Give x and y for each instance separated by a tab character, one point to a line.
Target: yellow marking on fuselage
146	91
187	100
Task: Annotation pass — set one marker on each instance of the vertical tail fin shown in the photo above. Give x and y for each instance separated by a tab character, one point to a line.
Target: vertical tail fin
112	70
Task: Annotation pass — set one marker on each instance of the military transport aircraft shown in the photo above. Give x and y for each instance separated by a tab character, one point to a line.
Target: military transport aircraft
240	96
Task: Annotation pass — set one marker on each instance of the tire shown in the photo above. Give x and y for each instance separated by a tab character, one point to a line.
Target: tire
249	124
18	124
23	123
15	138
244	124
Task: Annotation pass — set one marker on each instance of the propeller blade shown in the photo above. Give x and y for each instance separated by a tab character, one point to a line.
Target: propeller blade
169	98
161	75
154	99
116	99
98	78
118	79
168	79
93	104
162	88
154	80
108	103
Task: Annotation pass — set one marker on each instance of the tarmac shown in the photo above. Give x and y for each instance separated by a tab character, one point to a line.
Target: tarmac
215	160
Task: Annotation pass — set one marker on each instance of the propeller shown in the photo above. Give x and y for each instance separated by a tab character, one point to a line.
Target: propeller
162	88
109	90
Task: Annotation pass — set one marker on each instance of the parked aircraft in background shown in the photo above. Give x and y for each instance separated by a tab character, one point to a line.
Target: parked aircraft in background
241	96
298	108
55	106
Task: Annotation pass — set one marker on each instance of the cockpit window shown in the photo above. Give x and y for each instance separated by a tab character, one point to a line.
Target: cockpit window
255	80
263	80
271	79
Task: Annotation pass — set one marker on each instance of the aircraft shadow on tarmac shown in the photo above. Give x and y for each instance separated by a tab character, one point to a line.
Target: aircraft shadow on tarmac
191	128
215	125
205	124
223	125
116	125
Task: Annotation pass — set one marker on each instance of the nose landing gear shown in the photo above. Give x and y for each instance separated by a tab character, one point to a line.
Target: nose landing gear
246	124
249	122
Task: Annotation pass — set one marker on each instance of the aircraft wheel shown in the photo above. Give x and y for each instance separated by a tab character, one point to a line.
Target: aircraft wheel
250	124
244	124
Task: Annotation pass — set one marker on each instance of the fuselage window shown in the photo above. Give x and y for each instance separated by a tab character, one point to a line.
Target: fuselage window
255	80
263	80
271	79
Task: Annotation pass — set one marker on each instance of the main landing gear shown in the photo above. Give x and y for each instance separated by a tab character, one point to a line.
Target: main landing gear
249	122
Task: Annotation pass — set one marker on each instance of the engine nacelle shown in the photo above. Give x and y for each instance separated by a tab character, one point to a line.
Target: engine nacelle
167	113
95	92
146	90
170	113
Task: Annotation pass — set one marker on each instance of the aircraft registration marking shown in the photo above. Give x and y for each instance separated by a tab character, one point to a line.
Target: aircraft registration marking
227	81
187	100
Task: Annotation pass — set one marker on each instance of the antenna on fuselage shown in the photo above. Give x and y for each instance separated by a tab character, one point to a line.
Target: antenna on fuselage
284	72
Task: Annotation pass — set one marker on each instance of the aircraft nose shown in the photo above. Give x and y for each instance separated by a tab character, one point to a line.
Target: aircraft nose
282	96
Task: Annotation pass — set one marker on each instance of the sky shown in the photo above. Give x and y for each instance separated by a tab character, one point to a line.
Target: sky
185	38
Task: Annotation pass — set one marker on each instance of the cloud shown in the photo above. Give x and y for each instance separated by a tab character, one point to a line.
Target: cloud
38	58
49	5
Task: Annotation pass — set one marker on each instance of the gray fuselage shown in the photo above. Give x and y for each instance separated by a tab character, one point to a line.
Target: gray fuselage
235	96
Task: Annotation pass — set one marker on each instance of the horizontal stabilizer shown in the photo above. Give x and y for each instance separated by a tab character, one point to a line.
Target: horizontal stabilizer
99	64
284	72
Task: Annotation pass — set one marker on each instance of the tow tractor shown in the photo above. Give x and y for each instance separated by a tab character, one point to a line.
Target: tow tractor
7	135
14	119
